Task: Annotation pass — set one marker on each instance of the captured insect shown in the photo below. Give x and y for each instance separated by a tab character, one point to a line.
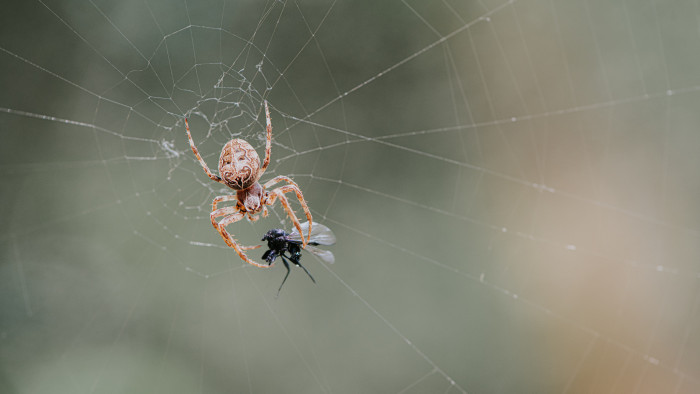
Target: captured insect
280	243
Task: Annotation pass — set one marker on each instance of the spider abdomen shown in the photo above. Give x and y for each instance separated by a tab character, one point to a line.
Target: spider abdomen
239	164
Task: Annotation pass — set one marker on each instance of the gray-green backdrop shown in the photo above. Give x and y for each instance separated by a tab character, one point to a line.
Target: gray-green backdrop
513	185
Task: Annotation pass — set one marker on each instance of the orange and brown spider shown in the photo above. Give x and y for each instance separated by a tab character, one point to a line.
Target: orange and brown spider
239	169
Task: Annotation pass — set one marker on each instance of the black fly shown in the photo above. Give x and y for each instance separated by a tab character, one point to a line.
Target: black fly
280	243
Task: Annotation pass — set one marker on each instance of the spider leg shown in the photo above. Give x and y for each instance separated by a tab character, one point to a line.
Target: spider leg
224	212
268	141
227	211
280	178
233	215
277	193
297	191
219	199
231	210
201	161
292	187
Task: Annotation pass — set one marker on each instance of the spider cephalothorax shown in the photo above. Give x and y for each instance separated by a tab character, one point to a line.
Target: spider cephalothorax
240	169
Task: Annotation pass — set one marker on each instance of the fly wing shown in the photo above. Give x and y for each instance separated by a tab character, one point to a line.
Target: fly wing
325	255
320	234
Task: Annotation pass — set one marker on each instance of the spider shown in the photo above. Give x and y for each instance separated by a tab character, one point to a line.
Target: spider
239	169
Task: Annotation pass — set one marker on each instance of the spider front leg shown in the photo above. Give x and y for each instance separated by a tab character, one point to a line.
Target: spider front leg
292	186
268	141
279	193
199	157
233	209
232	214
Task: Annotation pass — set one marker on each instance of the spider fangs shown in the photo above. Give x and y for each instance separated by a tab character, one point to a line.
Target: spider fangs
239	169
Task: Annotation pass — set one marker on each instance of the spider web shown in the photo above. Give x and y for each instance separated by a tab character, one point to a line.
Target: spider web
513	185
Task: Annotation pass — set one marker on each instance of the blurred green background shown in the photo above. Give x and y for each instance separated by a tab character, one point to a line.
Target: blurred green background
513	185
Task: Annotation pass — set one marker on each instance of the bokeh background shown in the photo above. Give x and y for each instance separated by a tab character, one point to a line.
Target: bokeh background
513	185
